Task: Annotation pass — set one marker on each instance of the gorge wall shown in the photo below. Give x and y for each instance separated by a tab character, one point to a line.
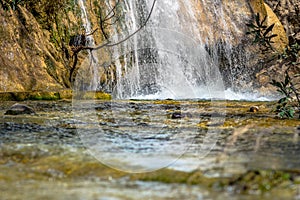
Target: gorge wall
34	38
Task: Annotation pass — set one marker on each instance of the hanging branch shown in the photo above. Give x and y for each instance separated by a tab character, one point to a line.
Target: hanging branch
105	18
109	44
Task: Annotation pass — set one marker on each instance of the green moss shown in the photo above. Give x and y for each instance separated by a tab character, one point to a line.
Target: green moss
44	96
36	95
90	95
164	175
262	181
102	96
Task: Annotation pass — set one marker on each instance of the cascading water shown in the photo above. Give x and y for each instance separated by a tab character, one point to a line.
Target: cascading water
179	54
89	42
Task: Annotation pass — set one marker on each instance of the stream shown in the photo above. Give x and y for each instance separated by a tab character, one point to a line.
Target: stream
49	156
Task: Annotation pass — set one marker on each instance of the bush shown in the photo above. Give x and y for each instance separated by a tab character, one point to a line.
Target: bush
289	88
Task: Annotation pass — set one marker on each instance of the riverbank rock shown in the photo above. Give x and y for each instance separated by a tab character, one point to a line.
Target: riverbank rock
19	109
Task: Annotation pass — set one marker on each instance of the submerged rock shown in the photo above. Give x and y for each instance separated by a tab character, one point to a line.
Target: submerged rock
179	115
19	109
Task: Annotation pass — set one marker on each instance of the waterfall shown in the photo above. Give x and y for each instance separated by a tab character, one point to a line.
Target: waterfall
187	50
167	59
86	22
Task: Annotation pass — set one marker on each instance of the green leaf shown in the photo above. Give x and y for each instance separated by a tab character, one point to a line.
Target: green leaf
281	114
263	21
274	35
270	28
257	18
291	113
277	84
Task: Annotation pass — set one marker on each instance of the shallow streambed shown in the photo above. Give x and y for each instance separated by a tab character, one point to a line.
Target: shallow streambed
215	150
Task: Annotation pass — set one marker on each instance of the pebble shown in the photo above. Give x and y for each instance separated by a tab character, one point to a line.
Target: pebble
254	109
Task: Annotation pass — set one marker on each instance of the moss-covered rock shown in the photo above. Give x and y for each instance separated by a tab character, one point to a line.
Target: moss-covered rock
90	95
36	95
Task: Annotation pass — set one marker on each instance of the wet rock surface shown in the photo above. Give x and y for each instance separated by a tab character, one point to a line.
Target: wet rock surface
254	109
179	115
19	109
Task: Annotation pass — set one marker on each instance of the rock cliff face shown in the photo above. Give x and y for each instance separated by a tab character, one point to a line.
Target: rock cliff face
34	51
288	12
28	60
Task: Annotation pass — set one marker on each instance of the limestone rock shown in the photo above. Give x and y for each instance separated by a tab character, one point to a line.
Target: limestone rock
281	41
26	54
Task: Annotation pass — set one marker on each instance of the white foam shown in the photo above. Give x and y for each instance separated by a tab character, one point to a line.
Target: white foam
204	94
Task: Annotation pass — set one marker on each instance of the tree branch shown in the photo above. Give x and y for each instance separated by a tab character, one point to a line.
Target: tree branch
106	44
109	44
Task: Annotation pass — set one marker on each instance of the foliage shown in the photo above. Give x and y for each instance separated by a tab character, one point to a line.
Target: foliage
291	53
289	104
261	32
291	93
286	106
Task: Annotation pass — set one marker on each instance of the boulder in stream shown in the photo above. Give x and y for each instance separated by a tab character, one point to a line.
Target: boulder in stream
254	109
19	109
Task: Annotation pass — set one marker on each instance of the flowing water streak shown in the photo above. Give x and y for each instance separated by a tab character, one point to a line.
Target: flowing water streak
168	39
89	42
217	31
119	32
